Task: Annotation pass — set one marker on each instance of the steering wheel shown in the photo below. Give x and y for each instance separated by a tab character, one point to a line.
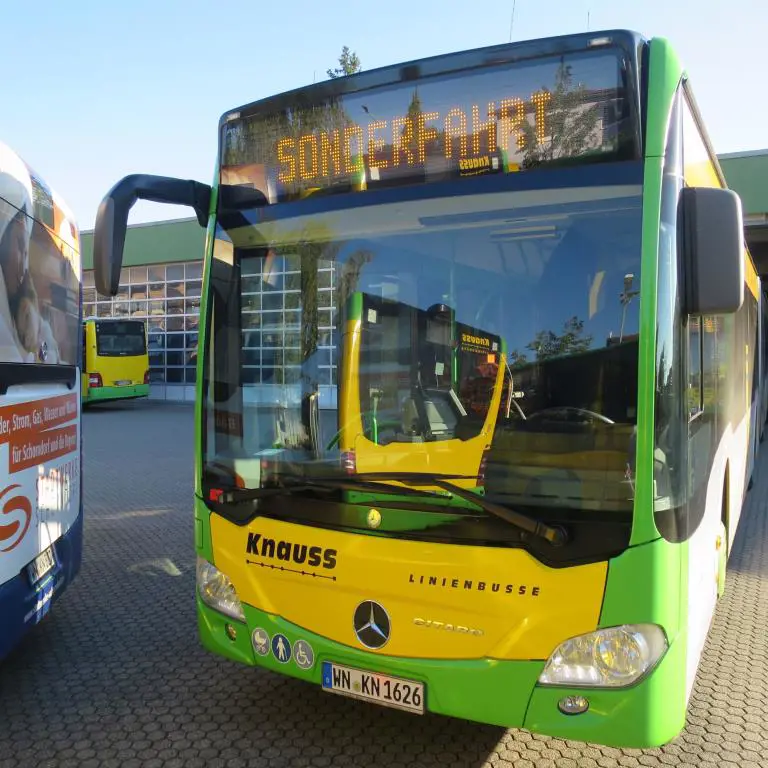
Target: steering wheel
566	409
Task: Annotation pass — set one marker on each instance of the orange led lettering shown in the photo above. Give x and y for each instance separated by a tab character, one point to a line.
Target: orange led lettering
512	117
540	100
353	161
376	144
308	156
285	150
478	127
456	128
330	154
426	134
401	140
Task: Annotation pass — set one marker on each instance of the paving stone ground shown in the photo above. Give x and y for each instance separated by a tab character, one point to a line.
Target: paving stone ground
116	676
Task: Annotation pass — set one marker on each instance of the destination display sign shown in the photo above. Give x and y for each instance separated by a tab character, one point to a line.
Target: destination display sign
491	120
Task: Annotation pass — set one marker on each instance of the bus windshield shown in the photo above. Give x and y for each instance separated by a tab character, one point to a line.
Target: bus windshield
390	337
120	338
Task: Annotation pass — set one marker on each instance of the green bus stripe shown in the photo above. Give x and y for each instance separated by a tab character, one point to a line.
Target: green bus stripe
664	73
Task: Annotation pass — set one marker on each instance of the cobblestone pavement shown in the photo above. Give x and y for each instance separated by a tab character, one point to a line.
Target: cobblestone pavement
116	676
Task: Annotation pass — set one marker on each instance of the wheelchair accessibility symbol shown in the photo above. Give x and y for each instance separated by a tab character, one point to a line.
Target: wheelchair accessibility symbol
303	654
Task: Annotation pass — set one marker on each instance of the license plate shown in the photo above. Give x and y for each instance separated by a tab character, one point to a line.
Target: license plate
122	383
371	686
43	563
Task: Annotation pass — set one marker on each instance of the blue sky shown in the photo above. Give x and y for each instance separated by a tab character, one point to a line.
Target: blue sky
93	91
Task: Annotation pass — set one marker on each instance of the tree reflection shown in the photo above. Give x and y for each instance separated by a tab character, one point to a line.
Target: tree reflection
547	344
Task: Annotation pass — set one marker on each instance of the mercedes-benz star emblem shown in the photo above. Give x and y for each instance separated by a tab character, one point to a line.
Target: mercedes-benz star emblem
371	624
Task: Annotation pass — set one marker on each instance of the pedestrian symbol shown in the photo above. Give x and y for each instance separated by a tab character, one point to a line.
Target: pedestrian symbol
303	654
260	640
281	648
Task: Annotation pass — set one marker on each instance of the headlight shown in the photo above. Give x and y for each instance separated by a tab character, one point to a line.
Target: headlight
608	658
217	591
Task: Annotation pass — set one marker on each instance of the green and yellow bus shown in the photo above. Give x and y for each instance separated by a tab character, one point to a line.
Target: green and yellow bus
115	360
539	543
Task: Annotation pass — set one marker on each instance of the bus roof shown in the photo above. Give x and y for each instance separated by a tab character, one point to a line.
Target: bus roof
443	64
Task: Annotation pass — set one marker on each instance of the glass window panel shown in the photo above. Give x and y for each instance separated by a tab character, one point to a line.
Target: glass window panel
174	323
271	319
192	306
292	320
139	308
157	290
251	375
252	302
174	290
139	291
89	295
292	357
190	323
191	340
174	272
138	274
157	374
251	320
291	375
88	278
174	375
194	270
174	358
156	359
272	301
189	375
104	309
251	339
175	306
194	288
271	338
157	273
293	282
175	341
293	300
155	341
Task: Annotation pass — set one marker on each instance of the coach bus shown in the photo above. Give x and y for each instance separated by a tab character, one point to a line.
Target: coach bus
562	195
41	522
115	359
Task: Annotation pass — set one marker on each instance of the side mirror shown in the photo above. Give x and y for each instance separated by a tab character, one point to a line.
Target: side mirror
713	251
112	218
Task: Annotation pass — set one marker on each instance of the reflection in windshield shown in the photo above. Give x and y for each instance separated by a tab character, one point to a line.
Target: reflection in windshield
393	337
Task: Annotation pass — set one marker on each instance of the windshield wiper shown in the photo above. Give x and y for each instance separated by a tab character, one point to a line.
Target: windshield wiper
555	535
290	484
374	482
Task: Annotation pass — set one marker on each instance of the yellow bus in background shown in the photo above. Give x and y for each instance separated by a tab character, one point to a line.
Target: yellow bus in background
115	360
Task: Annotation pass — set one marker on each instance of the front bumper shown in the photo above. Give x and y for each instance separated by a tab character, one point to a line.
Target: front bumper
502	693
23	605
100	394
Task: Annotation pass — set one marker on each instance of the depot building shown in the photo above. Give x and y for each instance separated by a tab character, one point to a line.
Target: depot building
161	279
